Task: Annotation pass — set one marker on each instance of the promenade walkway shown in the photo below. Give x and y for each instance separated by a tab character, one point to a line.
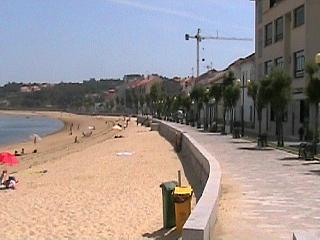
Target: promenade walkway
265	194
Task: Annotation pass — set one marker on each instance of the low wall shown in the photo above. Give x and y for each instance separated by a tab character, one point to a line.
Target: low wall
204	173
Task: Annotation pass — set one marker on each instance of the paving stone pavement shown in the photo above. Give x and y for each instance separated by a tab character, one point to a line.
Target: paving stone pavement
280	193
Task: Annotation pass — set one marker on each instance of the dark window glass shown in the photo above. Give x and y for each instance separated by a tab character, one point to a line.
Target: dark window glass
299	64
273	2
268	34
279	62
267	67
299	16
272	115
304	111
278	29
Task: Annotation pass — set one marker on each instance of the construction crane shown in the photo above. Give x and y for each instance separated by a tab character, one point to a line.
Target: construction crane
199	38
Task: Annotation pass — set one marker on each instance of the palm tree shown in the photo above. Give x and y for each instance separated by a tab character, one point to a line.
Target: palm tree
197	94
253	92
186	104
228	80
216	93
231	96
279	98
262	98
313	93
205	100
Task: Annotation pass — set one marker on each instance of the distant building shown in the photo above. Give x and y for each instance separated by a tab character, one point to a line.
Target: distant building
30	88
132	77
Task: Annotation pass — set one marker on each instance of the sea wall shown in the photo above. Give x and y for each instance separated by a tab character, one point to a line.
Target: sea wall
204	173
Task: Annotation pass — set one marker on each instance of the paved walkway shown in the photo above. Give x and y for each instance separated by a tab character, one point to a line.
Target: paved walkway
279	193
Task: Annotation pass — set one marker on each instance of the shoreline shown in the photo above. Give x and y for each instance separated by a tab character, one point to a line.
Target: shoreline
28	114
59	143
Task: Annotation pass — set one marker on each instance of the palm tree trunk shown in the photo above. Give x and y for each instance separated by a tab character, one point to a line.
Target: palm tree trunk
281	131
231	120
278	119
315	135
216	115
260	119
254	115
224	120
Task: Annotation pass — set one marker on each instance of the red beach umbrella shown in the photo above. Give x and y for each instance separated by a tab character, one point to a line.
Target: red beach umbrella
8	159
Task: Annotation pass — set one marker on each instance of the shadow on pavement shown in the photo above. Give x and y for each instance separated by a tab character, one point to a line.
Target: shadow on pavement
255	149
164	234
313	172
234	142
289	159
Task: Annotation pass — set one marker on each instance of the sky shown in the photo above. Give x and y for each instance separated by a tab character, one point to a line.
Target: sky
74	40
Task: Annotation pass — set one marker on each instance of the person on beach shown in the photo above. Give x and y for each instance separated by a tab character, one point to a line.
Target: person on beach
35	140
22	151
16	153
3	177
11	182
76	139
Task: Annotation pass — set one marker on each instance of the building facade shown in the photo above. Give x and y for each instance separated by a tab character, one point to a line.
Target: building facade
288	36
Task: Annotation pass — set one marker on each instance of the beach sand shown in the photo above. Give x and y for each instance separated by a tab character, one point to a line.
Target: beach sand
87	191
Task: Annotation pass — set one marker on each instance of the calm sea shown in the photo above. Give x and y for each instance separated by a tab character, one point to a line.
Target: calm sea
15	129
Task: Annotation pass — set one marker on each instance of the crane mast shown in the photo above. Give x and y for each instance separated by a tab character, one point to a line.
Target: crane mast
199	38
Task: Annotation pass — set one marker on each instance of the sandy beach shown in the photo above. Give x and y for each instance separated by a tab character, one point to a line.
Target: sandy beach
85	190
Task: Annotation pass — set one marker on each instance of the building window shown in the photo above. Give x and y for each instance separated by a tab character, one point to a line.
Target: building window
267	67
299	16
268	34
273	2
278	62
299	64
304	111
278	32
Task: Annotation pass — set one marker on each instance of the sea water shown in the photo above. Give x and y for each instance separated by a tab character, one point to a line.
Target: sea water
15	129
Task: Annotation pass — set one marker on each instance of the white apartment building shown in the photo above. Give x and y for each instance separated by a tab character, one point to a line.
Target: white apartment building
288	36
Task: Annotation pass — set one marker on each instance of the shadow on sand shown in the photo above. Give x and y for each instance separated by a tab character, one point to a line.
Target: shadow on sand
163	234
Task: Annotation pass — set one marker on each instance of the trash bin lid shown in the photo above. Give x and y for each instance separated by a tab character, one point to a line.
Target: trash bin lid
183	191
169	186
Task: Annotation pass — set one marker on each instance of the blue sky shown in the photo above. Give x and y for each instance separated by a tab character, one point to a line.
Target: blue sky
74	40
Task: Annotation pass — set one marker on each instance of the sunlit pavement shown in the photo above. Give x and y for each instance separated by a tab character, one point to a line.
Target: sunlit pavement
280	193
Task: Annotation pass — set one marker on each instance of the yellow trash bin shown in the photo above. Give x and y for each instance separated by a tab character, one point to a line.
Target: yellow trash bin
182	201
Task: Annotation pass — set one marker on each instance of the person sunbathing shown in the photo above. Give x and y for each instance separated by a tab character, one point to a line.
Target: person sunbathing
11	182
16	153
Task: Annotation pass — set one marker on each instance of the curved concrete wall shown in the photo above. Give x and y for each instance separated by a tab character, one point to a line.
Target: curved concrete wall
205	179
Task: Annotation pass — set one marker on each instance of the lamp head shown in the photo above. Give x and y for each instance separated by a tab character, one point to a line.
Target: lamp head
317	58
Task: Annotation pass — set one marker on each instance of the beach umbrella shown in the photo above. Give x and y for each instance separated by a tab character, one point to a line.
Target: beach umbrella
8	159
117	128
